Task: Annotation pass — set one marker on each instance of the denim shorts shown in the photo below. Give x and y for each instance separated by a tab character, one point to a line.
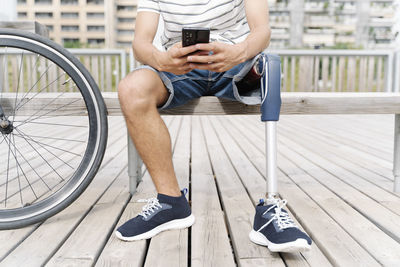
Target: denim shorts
197	83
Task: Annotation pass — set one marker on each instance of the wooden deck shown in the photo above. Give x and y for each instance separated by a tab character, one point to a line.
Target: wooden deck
335	172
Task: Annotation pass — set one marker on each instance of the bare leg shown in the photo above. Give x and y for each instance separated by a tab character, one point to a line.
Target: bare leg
140	93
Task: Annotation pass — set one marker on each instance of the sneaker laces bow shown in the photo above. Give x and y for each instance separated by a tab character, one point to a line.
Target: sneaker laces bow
152	205
282	217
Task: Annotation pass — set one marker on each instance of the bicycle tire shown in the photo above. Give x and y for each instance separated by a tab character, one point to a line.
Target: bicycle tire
94	130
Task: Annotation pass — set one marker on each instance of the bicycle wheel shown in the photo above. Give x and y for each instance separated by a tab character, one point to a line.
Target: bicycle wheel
53	124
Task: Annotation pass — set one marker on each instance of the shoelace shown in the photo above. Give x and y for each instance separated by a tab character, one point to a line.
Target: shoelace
150	207
283	219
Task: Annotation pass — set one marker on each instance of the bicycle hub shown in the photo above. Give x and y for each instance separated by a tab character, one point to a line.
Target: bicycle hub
6	126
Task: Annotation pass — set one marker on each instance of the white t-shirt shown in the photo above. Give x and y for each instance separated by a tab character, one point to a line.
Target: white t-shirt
226	18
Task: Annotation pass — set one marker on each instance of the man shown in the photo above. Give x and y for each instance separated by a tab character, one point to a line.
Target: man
239	33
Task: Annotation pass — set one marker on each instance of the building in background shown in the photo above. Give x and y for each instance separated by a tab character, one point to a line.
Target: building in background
334	23
294	23
93	23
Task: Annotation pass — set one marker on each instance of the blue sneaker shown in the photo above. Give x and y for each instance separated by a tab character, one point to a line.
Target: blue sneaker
275	229
159	214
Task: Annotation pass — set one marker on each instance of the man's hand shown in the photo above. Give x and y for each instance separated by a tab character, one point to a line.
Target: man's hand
222	57
175	59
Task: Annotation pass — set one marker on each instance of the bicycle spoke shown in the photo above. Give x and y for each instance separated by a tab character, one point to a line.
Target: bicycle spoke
19	181
19	166
24	136
38	117
49	123
42	108
57	148
2	140
53	138
42	159
20	104
33	86
34	68
8	171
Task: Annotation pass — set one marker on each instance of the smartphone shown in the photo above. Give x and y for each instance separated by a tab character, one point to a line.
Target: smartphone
192	36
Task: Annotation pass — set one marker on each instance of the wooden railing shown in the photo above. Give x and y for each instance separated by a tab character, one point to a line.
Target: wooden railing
106	66
337	70
302	70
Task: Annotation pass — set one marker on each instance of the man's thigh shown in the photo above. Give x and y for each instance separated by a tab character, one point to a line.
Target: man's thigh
181	88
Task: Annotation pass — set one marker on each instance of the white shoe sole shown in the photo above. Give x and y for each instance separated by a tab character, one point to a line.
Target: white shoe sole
175	224
299	245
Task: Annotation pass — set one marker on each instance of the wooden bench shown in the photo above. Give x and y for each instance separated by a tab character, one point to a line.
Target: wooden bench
292	104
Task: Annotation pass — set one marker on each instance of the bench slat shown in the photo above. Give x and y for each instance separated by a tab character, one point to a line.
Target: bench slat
292	103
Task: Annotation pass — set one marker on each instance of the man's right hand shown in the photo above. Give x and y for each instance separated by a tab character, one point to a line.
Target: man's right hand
174	60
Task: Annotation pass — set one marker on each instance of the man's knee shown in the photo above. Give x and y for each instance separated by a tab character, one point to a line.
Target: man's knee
138	92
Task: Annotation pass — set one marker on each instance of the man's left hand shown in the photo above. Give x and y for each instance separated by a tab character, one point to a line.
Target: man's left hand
222	57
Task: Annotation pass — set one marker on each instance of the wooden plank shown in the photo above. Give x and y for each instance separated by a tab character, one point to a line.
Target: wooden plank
351	74
341	71
236	203
87	240
293	73
337	245
292	103
235	143
52	79
316	74
256	262
108	74
54	230
6	67
95	69
102	75
14	73
333	74
30	68
285	74
380	79
371	72
117	253
10	239
116	77
35	76
362	74
2	73
325	73
210	243
86	61
43	80
170	248
306	67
